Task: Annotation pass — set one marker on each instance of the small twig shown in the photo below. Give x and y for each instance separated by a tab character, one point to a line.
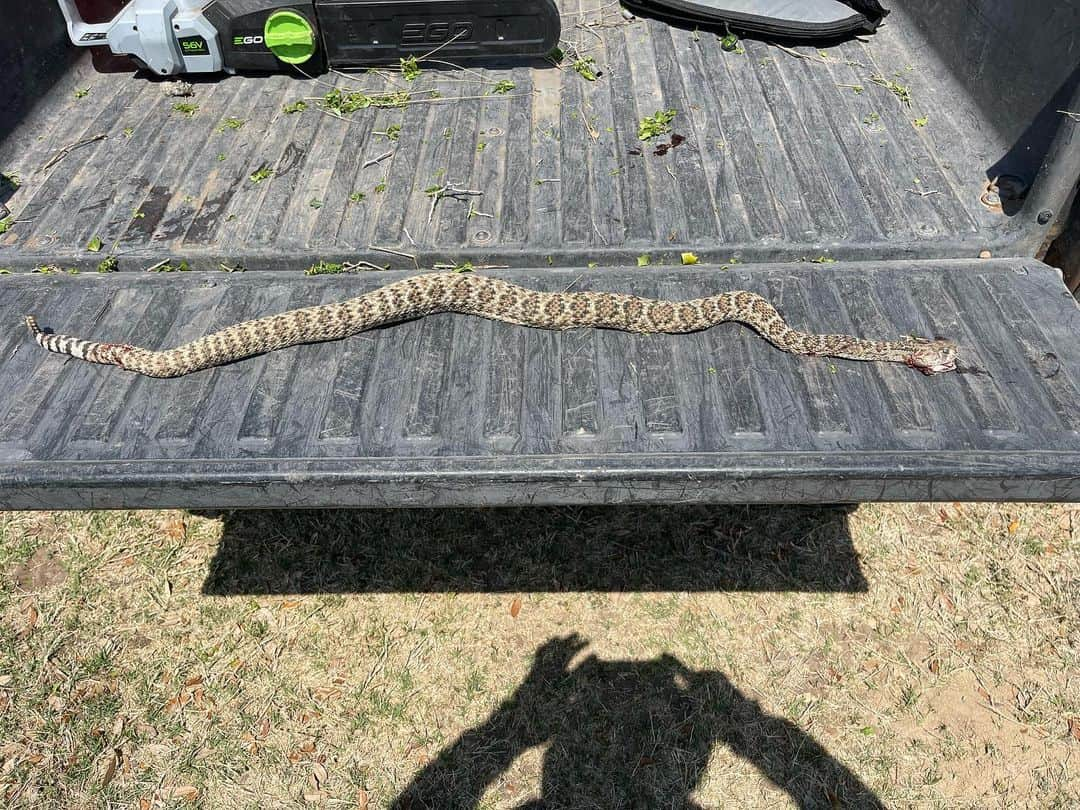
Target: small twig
381	157
572	283
152	267
593	133
812	57
393	252
922	193
67	150
1074	116
449	190
408	236
479	76
450	41
447	266
348	266
602	237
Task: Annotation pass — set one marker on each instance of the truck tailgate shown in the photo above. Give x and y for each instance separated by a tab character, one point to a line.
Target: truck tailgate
458	410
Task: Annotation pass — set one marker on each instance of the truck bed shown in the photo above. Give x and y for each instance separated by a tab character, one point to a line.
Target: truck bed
804	175
789	154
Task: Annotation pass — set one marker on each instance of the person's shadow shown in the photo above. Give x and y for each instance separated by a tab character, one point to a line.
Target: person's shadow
628	734
617	734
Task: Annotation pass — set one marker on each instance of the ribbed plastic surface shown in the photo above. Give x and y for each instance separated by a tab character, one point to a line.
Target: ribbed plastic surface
784	158
453	409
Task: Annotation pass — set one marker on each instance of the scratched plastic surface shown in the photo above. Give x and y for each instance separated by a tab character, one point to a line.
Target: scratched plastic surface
452	409
783	158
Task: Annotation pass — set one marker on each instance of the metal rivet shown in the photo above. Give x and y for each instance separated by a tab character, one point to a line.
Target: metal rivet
1045	216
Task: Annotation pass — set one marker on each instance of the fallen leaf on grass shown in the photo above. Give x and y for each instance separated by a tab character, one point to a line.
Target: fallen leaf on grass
318	775
1013	526
187	793
362	800
515	607
31	619
1074	727
176	528
315	796
106	767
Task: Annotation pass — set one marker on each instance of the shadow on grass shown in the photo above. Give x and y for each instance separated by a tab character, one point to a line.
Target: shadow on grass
630	734
647	548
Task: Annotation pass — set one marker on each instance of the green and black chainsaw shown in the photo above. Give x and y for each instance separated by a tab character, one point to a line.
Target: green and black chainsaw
170	37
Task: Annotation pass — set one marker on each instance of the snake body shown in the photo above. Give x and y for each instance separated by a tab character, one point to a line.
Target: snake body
498	300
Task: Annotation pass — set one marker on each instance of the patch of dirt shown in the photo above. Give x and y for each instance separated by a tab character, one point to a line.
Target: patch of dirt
42	571
971	740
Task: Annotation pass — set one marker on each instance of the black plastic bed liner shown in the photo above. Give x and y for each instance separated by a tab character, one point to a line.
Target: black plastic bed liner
457	410
784	158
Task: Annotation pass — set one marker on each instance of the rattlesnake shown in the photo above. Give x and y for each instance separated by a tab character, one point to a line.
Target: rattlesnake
501	301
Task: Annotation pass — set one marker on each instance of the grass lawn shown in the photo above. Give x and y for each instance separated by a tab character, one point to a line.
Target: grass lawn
920	655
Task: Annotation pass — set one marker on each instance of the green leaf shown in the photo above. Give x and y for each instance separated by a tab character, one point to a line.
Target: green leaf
231	123
689	258
659	123
410	70
730	43
95	245
260	174
643	260
586	68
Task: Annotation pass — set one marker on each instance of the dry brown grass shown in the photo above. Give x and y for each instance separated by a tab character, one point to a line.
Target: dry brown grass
902	655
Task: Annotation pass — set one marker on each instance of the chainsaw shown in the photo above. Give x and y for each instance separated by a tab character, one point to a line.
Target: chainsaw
170	37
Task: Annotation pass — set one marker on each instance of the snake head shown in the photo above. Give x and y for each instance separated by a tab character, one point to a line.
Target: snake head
933	356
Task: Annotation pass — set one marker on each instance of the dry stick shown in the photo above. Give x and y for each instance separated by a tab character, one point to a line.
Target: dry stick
479	76
381	157
393	252
360	263
811	57
449	190
67	150
450	41
1075	116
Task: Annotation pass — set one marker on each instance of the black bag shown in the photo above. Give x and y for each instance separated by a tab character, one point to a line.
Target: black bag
786	19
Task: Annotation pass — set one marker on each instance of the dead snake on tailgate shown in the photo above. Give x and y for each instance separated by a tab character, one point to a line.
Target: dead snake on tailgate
498	300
